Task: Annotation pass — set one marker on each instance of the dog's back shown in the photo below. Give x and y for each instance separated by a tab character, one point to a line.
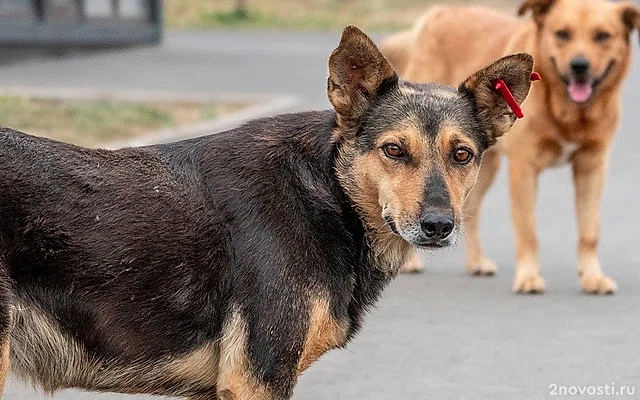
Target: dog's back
448	43
81	219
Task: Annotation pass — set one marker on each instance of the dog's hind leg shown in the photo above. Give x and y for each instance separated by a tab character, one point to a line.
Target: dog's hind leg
477	263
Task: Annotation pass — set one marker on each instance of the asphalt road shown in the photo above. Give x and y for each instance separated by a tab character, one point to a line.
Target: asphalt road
441	334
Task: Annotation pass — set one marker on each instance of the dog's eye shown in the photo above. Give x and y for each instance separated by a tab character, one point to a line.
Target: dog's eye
602	37
462	155
563	34
393	151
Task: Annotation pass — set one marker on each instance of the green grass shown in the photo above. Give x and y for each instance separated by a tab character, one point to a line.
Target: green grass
303	14
259	19
92	122
227	18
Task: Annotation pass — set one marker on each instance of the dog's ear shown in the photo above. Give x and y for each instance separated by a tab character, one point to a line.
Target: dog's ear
538	8
357	70
630	16
492	110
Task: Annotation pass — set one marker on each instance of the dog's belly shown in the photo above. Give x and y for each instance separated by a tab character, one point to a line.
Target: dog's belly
42	353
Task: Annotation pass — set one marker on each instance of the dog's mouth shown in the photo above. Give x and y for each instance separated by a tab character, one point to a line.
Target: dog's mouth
433	244
581	88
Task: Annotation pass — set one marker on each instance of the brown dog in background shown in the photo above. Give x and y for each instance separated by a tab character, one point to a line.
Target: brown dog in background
582	50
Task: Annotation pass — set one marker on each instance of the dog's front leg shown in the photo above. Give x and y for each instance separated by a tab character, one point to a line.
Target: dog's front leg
259	353
477	263
523	179
589	169
4	364
6	317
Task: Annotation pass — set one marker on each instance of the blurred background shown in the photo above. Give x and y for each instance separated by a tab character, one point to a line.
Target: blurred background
112	73
106	72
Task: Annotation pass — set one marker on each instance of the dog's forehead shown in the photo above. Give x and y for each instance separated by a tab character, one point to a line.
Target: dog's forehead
431	91
427	107
585	12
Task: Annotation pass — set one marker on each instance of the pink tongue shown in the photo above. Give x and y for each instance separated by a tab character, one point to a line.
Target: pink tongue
580	92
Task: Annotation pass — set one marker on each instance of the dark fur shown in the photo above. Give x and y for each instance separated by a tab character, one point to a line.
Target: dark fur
138	256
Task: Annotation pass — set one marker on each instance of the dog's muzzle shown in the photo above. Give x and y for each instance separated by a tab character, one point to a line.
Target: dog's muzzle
581	84
431	232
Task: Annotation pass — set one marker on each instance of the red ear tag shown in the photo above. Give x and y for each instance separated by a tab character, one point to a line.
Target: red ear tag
508	97
502	87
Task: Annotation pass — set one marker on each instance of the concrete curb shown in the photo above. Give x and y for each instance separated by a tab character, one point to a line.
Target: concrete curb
69	93
266	104
273	107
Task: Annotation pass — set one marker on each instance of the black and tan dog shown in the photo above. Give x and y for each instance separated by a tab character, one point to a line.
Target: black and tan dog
222	267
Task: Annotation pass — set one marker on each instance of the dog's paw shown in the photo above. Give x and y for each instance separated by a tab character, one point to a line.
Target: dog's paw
598	284
413	266
529	284
485	267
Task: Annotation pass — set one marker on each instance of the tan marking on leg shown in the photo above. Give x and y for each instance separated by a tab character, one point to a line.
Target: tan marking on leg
42	354
325	333
46	356
4	365
236	379
200	366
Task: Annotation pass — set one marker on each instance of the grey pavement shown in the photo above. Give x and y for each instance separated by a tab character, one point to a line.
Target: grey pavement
440	334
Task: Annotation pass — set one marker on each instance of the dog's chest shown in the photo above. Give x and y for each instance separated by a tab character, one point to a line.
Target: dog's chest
565	153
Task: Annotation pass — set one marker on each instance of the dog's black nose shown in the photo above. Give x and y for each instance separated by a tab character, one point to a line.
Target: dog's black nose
437	226
580	65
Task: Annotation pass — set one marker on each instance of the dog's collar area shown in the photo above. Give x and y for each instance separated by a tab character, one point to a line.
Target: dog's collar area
506	94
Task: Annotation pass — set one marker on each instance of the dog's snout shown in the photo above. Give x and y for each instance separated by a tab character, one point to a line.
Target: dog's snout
437	225
580	65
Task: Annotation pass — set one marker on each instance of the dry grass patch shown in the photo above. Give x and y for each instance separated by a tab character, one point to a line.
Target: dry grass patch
304	14
94	122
